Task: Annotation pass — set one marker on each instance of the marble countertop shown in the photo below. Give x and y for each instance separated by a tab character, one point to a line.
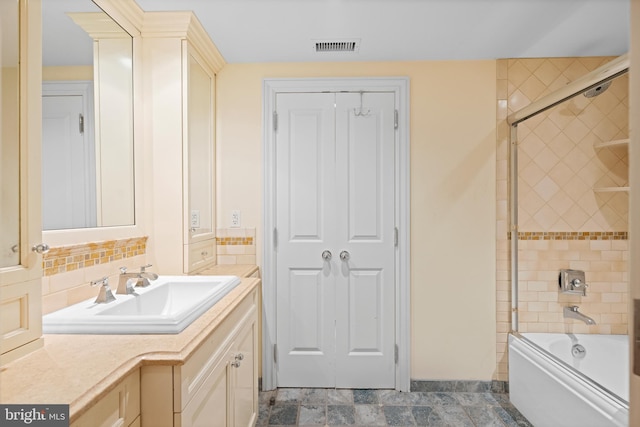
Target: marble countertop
80	369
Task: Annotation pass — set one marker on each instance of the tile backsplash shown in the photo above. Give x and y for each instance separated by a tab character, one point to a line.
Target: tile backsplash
236	245
68	270
63	259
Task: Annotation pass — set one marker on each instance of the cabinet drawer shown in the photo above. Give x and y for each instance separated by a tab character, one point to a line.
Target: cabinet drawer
199	255
189	377
119	408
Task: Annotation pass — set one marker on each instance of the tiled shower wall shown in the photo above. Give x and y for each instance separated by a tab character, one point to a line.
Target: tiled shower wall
563	222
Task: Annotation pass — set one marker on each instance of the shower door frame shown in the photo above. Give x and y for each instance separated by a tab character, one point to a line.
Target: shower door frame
600	75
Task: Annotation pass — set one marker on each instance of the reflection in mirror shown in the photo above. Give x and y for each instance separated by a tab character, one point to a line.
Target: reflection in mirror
9	135
87	118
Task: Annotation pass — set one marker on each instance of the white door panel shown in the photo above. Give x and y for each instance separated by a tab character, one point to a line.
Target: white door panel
68	168
335	191
305	320
365	312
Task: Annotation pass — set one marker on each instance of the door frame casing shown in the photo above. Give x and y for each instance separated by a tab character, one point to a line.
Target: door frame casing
400	87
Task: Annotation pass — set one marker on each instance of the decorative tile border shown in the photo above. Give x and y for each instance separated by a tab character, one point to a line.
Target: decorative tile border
73	257
234	241
572	235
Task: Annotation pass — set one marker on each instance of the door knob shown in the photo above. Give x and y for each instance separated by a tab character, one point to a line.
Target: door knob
326	255
345	255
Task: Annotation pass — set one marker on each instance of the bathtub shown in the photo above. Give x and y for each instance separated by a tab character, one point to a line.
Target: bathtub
554	384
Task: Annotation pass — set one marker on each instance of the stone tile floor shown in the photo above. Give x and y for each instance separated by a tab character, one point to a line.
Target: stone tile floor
340	407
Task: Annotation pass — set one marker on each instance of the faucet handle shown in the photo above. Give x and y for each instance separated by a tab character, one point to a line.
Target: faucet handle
123	270
104	295
104	282
144	267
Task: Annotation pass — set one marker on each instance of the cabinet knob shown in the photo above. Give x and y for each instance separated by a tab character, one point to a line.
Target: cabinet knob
235	363
40	248
239	356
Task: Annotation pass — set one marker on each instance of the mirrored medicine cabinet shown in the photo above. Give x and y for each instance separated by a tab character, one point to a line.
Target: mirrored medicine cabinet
87	118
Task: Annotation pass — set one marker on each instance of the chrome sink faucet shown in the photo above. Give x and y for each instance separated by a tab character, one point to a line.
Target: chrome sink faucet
128	281
573	313
104	295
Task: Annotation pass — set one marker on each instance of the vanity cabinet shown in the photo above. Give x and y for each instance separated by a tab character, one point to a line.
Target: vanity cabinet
119	408
217	385
180	63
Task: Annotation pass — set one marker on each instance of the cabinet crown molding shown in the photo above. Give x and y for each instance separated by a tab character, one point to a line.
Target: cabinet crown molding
98	25
183	25
126	13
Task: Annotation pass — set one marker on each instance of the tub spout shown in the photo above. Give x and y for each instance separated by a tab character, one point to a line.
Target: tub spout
573	313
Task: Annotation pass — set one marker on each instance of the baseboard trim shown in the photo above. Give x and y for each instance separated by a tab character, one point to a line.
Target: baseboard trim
460	386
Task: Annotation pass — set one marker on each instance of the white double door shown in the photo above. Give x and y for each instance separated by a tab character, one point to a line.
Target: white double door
335	210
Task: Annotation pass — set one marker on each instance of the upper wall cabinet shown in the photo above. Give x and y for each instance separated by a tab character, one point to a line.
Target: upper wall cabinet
180	63
20	213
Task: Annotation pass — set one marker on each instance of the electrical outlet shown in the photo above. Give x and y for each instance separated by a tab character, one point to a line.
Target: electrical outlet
235	219
195	219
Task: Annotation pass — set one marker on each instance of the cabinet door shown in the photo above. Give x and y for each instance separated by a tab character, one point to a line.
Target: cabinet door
245	378
198	149
119	408
209	407
21	227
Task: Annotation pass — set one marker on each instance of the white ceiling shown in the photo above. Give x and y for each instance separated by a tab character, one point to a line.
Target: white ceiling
389	30
394	30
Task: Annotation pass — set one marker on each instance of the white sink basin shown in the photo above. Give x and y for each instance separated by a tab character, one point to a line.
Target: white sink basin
167	306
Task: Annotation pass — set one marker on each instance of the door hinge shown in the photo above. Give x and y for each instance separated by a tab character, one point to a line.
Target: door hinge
395	119
275	353
81	123
275	121
395	357
275	238
395	237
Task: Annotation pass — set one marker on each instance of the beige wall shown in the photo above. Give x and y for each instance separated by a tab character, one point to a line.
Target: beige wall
80	72
453	193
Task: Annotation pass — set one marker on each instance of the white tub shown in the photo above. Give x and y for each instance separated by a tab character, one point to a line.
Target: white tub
552	388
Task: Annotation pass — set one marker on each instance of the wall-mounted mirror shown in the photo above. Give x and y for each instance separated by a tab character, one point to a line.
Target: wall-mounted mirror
87	109
9	136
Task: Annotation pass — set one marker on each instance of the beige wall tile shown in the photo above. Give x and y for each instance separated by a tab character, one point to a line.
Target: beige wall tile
558	169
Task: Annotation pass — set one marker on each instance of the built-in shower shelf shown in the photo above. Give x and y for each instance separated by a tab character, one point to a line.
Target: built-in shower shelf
612	144
610	189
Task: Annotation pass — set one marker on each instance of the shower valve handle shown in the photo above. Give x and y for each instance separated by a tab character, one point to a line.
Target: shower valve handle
577	283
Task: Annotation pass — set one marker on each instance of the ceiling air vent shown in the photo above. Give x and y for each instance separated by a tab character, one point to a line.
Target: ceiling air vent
349	45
